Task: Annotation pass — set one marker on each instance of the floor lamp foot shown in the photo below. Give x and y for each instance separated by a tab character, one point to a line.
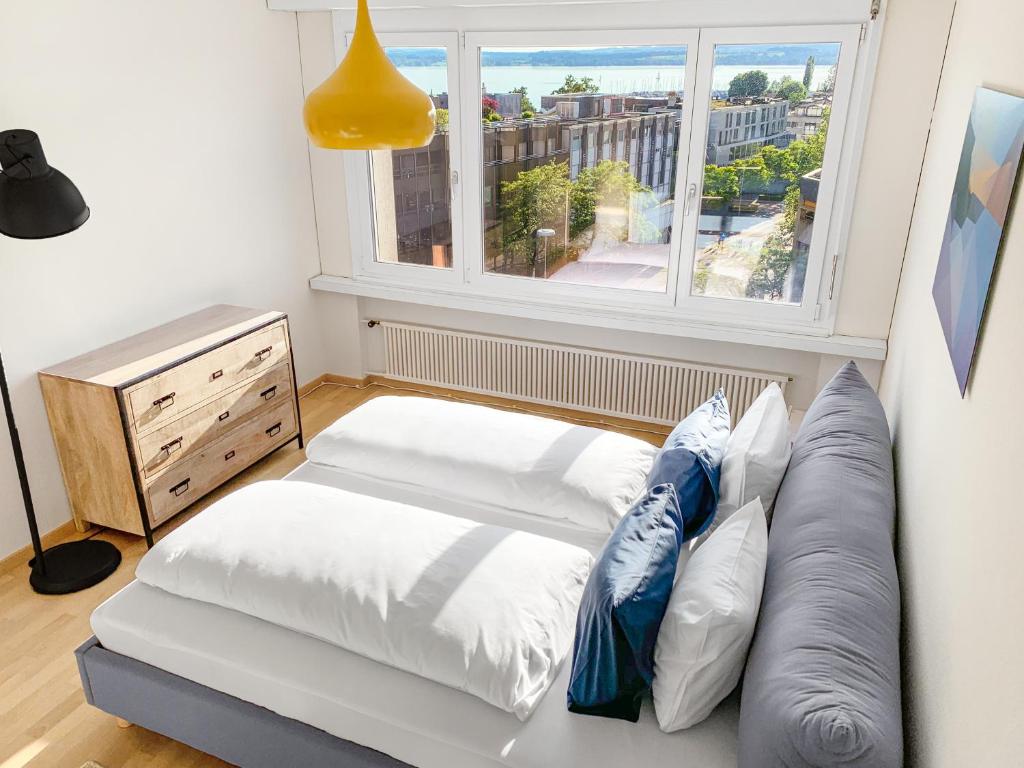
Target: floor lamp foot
74	566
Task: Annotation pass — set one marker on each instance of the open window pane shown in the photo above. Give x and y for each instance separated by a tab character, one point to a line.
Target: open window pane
412	196
766	140
580	149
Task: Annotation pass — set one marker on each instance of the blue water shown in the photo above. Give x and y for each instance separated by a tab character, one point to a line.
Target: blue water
541	81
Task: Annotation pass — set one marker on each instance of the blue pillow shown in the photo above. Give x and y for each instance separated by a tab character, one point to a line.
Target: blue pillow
622	608
691	460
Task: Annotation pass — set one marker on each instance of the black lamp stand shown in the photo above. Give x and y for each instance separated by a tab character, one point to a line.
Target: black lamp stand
67	567
38	201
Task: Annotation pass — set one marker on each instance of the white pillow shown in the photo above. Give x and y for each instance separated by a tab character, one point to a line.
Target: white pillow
756	456
514	461
709	623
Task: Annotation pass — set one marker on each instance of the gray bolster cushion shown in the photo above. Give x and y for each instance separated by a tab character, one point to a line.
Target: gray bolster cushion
822	683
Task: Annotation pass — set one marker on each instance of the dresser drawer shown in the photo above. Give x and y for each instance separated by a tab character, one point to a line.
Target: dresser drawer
168	394
182	437
193	477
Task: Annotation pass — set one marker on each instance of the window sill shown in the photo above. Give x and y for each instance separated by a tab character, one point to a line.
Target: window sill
665	322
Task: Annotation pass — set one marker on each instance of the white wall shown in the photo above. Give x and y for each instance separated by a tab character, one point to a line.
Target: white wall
179	121
901	105
959	461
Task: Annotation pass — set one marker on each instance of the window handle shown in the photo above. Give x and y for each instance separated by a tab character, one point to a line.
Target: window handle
691	195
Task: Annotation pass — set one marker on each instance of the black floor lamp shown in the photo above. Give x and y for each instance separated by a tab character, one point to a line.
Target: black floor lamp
37	201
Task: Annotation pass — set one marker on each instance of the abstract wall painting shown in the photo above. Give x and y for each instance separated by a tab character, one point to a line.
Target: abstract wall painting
984	188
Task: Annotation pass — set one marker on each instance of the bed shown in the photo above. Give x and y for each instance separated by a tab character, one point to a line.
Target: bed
820	683
257	694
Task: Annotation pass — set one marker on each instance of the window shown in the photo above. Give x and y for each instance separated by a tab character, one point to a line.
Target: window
411	194
594	203
757	207
621	169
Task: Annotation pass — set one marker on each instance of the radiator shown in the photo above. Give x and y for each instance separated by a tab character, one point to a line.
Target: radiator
645	388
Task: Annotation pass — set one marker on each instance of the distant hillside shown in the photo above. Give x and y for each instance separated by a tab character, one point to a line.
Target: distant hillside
648	56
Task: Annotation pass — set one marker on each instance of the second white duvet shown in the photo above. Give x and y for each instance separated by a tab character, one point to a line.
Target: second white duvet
486	610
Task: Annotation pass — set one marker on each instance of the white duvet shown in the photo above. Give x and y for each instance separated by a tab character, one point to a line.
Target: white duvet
483	609
514	461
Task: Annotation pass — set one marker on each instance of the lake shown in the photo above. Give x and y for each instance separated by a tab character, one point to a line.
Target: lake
541	81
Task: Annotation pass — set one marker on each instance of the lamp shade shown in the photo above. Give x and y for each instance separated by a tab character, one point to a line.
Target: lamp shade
36	201
367	103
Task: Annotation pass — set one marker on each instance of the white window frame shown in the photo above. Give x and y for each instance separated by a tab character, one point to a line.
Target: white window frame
467	277
824	239
512	286
359	180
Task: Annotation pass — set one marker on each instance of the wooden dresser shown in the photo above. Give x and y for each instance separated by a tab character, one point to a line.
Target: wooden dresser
146	426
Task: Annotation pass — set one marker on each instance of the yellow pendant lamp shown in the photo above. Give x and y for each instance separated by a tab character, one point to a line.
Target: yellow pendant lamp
367	103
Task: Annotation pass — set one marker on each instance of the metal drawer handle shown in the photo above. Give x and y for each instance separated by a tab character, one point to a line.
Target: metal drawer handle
172	446
274	430
224	415
263	353
268	394
229	456
164	401
216	374
181	487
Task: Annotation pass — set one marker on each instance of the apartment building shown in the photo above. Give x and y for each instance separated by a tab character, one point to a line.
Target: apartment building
805	119
738	129
416	183
646	141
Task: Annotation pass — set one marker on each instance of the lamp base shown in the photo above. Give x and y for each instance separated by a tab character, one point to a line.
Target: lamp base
74	566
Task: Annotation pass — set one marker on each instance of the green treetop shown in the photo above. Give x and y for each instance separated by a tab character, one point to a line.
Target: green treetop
809	73
441	120
722	181
535	199
749	84
574	85
610	184
789	89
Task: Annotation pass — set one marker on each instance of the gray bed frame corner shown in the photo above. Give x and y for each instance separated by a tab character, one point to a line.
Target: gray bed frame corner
236	731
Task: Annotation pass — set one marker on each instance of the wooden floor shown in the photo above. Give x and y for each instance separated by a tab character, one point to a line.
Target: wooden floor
44	720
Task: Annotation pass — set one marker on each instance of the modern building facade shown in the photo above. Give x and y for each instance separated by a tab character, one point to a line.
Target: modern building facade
647	142
509	104
805	119
417	229
738	129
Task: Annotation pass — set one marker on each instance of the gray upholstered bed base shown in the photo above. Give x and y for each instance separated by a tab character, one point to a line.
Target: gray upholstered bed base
213	722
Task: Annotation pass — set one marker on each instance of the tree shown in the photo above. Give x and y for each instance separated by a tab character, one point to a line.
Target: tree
525	104
535	199
609	183
721	181
788	88
768	280
441	120
809	73
749	84
526	115
488	107
830	80
582	85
